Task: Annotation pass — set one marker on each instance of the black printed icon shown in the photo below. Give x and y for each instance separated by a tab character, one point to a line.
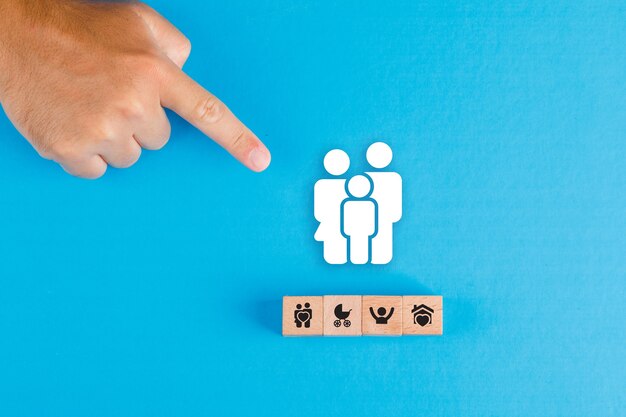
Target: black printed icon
422	315
341	316
303	316
382	317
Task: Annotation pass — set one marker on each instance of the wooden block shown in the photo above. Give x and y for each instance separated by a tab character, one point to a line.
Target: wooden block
303	316
342	315
382	315
422	315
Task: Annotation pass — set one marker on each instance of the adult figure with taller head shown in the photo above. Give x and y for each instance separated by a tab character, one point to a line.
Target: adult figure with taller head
388	194
328	195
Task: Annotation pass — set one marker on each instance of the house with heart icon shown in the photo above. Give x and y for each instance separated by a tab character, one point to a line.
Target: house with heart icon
422	315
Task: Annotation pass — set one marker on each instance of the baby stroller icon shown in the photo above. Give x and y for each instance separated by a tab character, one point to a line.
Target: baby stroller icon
342	316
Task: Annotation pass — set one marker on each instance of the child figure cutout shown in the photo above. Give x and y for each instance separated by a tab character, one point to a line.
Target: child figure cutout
359	214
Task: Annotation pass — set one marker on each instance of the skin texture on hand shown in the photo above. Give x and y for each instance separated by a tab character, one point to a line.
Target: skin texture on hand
86	83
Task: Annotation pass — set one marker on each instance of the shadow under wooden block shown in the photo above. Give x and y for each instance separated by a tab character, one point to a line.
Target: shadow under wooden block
303	316
342	315
382	315
422	315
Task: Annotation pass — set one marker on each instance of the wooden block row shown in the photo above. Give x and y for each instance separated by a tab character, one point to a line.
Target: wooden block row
355	315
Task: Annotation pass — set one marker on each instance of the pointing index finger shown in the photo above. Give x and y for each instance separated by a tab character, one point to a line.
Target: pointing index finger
192	102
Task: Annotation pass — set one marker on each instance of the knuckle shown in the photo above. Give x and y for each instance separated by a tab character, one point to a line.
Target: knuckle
158	138
185	48
132	108
103	129
239	139
90	171
127	158
131	157
95	172
167	132
62	150
209	110
159	143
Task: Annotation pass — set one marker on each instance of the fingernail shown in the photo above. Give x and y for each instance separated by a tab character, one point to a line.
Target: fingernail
260	159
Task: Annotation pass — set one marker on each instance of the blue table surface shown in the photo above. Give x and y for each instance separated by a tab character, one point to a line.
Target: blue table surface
156	291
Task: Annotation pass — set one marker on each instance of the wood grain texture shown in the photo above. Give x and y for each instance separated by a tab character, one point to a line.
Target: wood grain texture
382	315
422	315
303	316
344	320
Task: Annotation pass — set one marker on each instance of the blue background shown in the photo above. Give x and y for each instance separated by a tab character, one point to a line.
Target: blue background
156	291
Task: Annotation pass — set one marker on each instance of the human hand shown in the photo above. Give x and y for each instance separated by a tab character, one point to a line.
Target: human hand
86	84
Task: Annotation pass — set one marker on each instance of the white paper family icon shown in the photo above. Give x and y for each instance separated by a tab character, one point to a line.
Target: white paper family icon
357	215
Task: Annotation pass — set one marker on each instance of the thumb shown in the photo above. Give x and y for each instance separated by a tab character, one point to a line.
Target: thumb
173	43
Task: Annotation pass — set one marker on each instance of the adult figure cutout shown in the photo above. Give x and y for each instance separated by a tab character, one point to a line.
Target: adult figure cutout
359	214
328	195
388	194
